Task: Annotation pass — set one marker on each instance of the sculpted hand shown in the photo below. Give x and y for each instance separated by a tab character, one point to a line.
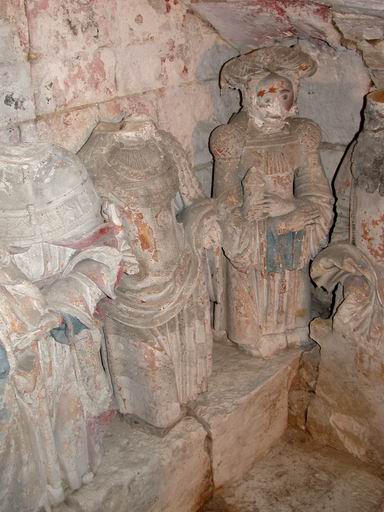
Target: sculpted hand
275	206
297	219
257	211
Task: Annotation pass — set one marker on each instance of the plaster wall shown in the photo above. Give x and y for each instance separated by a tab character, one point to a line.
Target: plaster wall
65	65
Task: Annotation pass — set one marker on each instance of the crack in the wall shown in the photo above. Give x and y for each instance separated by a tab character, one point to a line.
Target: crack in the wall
208	445
30	55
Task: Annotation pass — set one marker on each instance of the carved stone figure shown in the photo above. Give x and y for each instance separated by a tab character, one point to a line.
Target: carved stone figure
274	201
348	411
158	332
55	398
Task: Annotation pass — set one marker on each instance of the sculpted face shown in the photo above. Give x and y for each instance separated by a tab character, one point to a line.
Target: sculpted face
270	100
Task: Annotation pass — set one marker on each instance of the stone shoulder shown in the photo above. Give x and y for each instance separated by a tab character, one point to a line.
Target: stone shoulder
308	131
226	141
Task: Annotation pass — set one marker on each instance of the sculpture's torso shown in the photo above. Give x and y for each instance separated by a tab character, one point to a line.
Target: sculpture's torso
156	237
279	155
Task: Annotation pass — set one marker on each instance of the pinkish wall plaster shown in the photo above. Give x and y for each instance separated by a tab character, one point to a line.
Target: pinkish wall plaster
65	65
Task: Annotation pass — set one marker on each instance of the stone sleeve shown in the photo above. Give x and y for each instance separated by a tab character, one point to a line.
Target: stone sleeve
189	186
343	190
90	277
312	188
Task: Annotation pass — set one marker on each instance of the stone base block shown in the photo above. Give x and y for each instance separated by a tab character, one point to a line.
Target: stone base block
246	409
299	475
141	472
229	428
347	411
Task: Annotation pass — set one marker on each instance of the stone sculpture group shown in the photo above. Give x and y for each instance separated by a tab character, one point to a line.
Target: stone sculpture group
115	268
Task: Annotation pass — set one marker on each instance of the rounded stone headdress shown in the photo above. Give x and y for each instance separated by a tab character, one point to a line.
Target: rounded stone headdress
46	195
291	63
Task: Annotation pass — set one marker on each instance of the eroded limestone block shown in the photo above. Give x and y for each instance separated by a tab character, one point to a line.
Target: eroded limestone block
335	108
348	410
300	475
246	408
142	472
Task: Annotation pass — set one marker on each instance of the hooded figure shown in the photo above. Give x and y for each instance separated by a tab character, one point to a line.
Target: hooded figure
55	266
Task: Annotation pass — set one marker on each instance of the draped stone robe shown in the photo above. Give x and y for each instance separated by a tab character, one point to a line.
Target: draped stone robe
159	339
55	398
266	303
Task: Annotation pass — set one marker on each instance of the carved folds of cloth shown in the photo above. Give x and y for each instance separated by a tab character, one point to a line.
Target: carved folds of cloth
159	339
55	266
274	202
348	409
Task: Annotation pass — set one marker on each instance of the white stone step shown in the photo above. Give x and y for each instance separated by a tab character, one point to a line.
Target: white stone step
230	427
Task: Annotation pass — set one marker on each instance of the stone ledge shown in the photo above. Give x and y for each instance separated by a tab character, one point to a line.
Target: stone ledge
246	408
234	424
141	472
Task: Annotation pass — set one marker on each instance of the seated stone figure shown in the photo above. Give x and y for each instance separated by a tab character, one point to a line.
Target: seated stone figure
274	202
55	266
158	332
347	411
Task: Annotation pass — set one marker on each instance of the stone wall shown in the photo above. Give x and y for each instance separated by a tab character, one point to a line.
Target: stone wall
67	65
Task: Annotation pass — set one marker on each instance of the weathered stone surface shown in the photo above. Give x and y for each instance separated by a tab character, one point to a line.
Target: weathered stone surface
16	94
303	387
245	409
190	112
68	129
299	475
371	7
88	53
205	52
120	108
73	80
204	175
358	27
113	57
333	97
142	472
10	135
347	411
377	76
248	24
373	53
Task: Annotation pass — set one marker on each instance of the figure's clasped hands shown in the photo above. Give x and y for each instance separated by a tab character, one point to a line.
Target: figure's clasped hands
270	205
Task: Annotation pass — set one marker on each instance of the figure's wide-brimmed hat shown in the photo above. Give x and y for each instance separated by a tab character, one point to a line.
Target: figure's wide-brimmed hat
46	195
291	63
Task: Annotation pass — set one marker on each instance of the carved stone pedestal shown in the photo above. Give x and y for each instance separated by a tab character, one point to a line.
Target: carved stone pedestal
229	429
